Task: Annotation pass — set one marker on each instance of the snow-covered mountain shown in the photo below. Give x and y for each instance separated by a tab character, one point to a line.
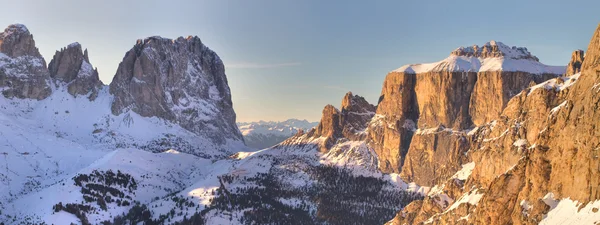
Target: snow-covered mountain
159	145
60	123
492	56
264	134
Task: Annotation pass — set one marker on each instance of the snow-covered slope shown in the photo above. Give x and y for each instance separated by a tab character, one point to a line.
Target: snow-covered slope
264	134
492	56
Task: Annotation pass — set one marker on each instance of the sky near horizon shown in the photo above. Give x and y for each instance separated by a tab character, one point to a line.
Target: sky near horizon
288	59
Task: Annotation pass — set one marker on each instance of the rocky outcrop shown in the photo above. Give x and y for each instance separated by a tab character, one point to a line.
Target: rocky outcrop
338	126
541	150
23	72
467	89
72	66
574	65
181	81
349	123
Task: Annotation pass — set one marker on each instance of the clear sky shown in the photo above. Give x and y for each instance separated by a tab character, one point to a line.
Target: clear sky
288	59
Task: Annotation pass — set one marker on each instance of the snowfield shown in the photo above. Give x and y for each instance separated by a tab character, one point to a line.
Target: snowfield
514	59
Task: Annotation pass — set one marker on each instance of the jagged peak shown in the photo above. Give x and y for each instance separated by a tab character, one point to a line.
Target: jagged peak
494	49
74	45
16	41
492	56
574	65
160	39
16	28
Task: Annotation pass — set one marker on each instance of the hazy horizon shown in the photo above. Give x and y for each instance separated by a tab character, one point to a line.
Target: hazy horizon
287	59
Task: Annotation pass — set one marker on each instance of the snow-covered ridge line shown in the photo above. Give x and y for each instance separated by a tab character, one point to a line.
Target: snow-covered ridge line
493	56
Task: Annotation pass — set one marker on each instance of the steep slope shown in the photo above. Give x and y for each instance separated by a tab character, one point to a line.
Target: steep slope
72	67
264	134
23	72
467	89
66	151
327	175
535	164
181	81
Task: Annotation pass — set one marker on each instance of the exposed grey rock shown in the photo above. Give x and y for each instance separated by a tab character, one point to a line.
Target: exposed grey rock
72	66
181	81
23	72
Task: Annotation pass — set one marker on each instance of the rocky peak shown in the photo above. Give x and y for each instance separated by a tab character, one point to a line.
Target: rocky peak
72	65
574	65
357	113
494	49
592	57
178	80
23	72
16	41
329	124
349	123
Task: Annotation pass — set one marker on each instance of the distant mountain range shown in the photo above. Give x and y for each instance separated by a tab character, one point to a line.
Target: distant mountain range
264	134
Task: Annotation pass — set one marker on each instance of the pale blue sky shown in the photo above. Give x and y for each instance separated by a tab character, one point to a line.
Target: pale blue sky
288	59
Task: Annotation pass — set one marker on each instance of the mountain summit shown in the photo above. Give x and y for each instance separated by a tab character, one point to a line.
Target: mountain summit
492	56
179	80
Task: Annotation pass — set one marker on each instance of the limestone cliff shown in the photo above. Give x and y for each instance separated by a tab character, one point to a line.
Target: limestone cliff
341	125
467	89
537	159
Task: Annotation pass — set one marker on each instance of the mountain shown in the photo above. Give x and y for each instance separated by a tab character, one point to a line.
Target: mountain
264	134
23	69
488	135
67	138
467	89
536	163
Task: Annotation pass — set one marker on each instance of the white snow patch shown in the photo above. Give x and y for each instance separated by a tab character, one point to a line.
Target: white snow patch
465	172
566	211
471	198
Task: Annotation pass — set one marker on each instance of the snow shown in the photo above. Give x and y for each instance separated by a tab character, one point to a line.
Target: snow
526	207
555	109
14	28
567	211
564	83
74	44
353	155
520	142
288	127
45	143
465	172
513	60
86	70
471	198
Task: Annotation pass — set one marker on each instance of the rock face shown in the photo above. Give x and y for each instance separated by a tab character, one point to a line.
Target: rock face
434	155
338	126
349	123
23	72
541	151
574	65
181	81
72	66
467	89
